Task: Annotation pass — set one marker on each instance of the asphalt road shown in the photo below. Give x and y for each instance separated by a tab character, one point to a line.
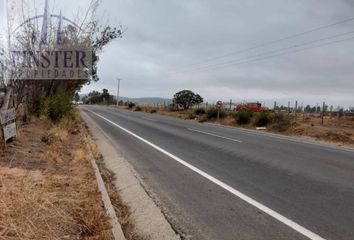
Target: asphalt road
222	183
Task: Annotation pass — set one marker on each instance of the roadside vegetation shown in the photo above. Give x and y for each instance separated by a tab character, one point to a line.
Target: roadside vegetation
47	184
48	187
336	129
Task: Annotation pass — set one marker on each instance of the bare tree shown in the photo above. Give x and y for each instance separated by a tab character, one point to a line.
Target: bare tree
29	92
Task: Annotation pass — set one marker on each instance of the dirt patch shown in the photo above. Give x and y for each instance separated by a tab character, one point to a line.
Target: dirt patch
334	130
48	188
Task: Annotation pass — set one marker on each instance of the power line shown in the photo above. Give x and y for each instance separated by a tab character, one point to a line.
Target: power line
284	53
275	41
267	53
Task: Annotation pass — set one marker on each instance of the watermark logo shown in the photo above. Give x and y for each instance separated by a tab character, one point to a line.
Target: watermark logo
50	47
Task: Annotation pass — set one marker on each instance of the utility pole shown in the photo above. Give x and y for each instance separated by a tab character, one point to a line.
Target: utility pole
317	108
118	79
303	112
323	111
295	109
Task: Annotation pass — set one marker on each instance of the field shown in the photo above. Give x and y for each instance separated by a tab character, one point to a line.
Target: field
339	131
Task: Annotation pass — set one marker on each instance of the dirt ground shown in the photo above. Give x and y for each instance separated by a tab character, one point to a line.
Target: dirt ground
48	188
334	130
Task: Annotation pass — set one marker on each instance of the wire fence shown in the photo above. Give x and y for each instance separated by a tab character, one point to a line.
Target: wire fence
324	113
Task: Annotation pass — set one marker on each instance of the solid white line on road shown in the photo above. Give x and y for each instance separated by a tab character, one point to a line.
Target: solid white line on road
215	135
300	229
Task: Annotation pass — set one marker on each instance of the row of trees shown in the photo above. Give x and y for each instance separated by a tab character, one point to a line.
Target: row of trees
184	99
96	97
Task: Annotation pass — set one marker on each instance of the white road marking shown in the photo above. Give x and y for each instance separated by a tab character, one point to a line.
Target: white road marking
150	119
215	135
290	139
300	229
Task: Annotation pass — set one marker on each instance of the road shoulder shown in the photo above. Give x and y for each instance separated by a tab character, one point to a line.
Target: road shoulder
149	221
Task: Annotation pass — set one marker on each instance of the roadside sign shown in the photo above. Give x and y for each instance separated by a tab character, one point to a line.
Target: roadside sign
8	123
219	104
7	116
9	131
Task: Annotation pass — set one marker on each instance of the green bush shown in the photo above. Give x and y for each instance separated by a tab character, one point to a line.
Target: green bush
213	113
279	120
262	119
131	105
58	106
199	111
243	117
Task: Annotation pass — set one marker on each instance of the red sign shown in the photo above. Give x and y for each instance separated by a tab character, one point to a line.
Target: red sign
219	104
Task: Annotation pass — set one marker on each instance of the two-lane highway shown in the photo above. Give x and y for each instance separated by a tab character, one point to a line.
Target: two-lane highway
225	183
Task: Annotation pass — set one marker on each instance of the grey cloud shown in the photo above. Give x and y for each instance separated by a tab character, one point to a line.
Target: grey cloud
163	37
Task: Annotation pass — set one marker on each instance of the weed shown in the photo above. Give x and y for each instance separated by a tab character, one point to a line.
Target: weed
243	117
47	138
199	111
213	113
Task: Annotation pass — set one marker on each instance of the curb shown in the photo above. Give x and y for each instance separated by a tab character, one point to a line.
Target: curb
148	219
116	228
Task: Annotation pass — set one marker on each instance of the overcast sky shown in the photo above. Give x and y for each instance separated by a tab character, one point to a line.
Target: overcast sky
165	39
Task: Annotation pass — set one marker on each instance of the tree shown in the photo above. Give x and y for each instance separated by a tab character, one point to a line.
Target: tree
92	36
76	97
187	99
105	96
96	97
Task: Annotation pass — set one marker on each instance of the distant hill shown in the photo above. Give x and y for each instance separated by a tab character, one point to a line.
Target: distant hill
144	100
147	100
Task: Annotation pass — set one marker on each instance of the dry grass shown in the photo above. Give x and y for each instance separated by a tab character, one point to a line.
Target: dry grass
48	189
122	211
337	131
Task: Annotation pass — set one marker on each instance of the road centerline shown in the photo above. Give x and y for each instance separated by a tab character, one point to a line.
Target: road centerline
288	222
214	135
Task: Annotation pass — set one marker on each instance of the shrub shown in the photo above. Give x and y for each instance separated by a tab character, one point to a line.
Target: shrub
131	105
137	109
243	116
191	115
58	106
153	111
199	111
203	119
280	121
213	113
262	119
37	106
47	138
